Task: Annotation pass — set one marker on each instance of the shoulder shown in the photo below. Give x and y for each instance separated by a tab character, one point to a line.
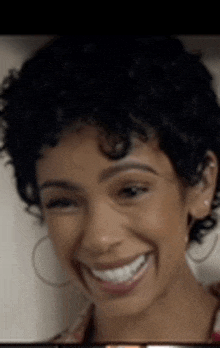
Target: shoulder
214	289
56	338
76	332
68	336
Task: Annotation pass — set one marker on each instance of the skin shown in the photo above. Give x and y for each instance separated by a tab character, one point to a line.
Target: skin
101	223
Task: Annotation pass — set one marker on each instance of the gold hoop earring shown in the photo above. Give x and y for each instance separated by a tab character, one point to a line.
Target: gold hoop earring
204	258
38	273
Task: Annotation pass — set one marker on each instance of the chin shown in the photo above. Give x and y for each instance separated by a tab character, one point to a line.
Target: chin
124	306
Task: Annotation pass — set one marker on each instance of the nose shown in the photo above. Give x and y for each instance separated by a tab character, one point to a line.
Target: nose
102	229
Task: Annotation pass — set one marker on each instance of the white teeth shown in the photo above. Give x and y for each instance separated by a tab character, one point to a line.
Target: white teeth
121	274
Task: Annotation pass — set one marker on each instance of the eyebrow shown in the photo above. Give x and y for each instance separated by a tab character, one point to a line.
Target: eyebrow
105	175
109	172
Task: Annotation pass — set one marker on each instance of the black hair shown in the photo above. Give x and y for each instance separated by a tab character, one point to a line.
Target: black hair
121	84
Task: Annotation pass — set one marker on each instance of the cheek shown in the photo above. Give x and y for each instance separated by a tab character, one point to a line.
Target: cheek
162	220
61	230
162	226
65	242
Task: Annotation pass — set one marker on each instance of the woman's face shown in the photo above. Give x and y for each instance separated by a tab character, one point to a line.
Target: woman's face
104	214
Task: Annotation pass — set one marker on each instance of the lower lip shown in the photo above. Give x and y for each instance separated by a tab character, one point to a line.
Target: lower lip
125	287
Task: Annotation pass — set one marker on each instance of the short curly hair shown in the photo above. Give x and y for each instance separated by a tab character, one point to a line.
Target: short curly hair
122	84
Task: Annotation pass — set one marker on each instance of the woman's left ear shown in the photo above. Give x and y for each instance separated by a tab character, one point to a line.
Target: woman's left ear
202	194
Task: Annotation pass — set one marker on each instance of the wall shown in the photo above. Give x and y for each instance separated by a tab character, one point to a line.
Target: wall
30	310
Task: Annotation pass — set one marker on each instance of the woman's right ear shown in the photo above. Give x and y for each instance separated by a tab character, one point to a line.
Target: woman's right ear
191	221
202	194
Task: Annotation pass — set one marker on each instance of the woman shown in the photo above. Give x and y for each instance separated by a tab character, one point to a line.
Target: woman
116	140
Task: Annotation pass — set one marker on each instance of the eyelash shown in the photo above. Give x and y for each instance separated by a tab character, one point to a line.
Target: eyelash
58	202
66	203
137	188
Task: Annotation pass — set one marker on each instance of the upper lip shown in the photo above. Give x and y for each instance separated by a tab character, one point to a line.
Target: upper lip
119	263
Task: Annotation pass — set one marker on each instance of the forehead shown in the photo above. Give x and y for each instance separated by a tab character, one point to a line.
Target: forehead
78	154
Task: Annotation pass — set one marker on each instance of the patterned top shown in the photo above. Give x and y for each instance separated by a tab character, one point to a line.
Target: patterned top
82	329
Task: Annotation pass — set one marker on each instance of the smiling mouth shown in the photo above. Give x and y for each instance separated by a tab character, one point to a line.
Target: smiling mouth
120	275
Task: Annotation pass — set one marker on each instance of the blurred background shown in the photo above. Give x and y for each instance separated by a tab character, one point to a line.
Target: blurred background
30	310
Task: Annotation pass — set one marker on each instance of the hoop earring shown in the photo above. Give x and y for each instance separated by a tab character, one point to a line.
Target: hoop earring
38	273
204	258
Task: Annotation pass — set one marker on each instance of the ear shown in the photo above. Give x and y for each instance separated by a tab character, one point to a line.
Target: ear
201	195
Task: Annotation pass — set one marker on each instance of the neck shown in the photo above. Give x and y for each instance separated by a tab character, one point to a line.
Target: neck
182	314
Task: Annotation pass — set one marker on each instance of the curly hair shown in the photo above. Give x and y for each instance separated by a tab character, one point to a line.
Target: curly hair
121	84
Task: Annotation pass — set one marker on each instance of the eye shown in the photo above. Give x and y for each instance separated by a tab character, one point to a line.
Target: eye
133	191
62	203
